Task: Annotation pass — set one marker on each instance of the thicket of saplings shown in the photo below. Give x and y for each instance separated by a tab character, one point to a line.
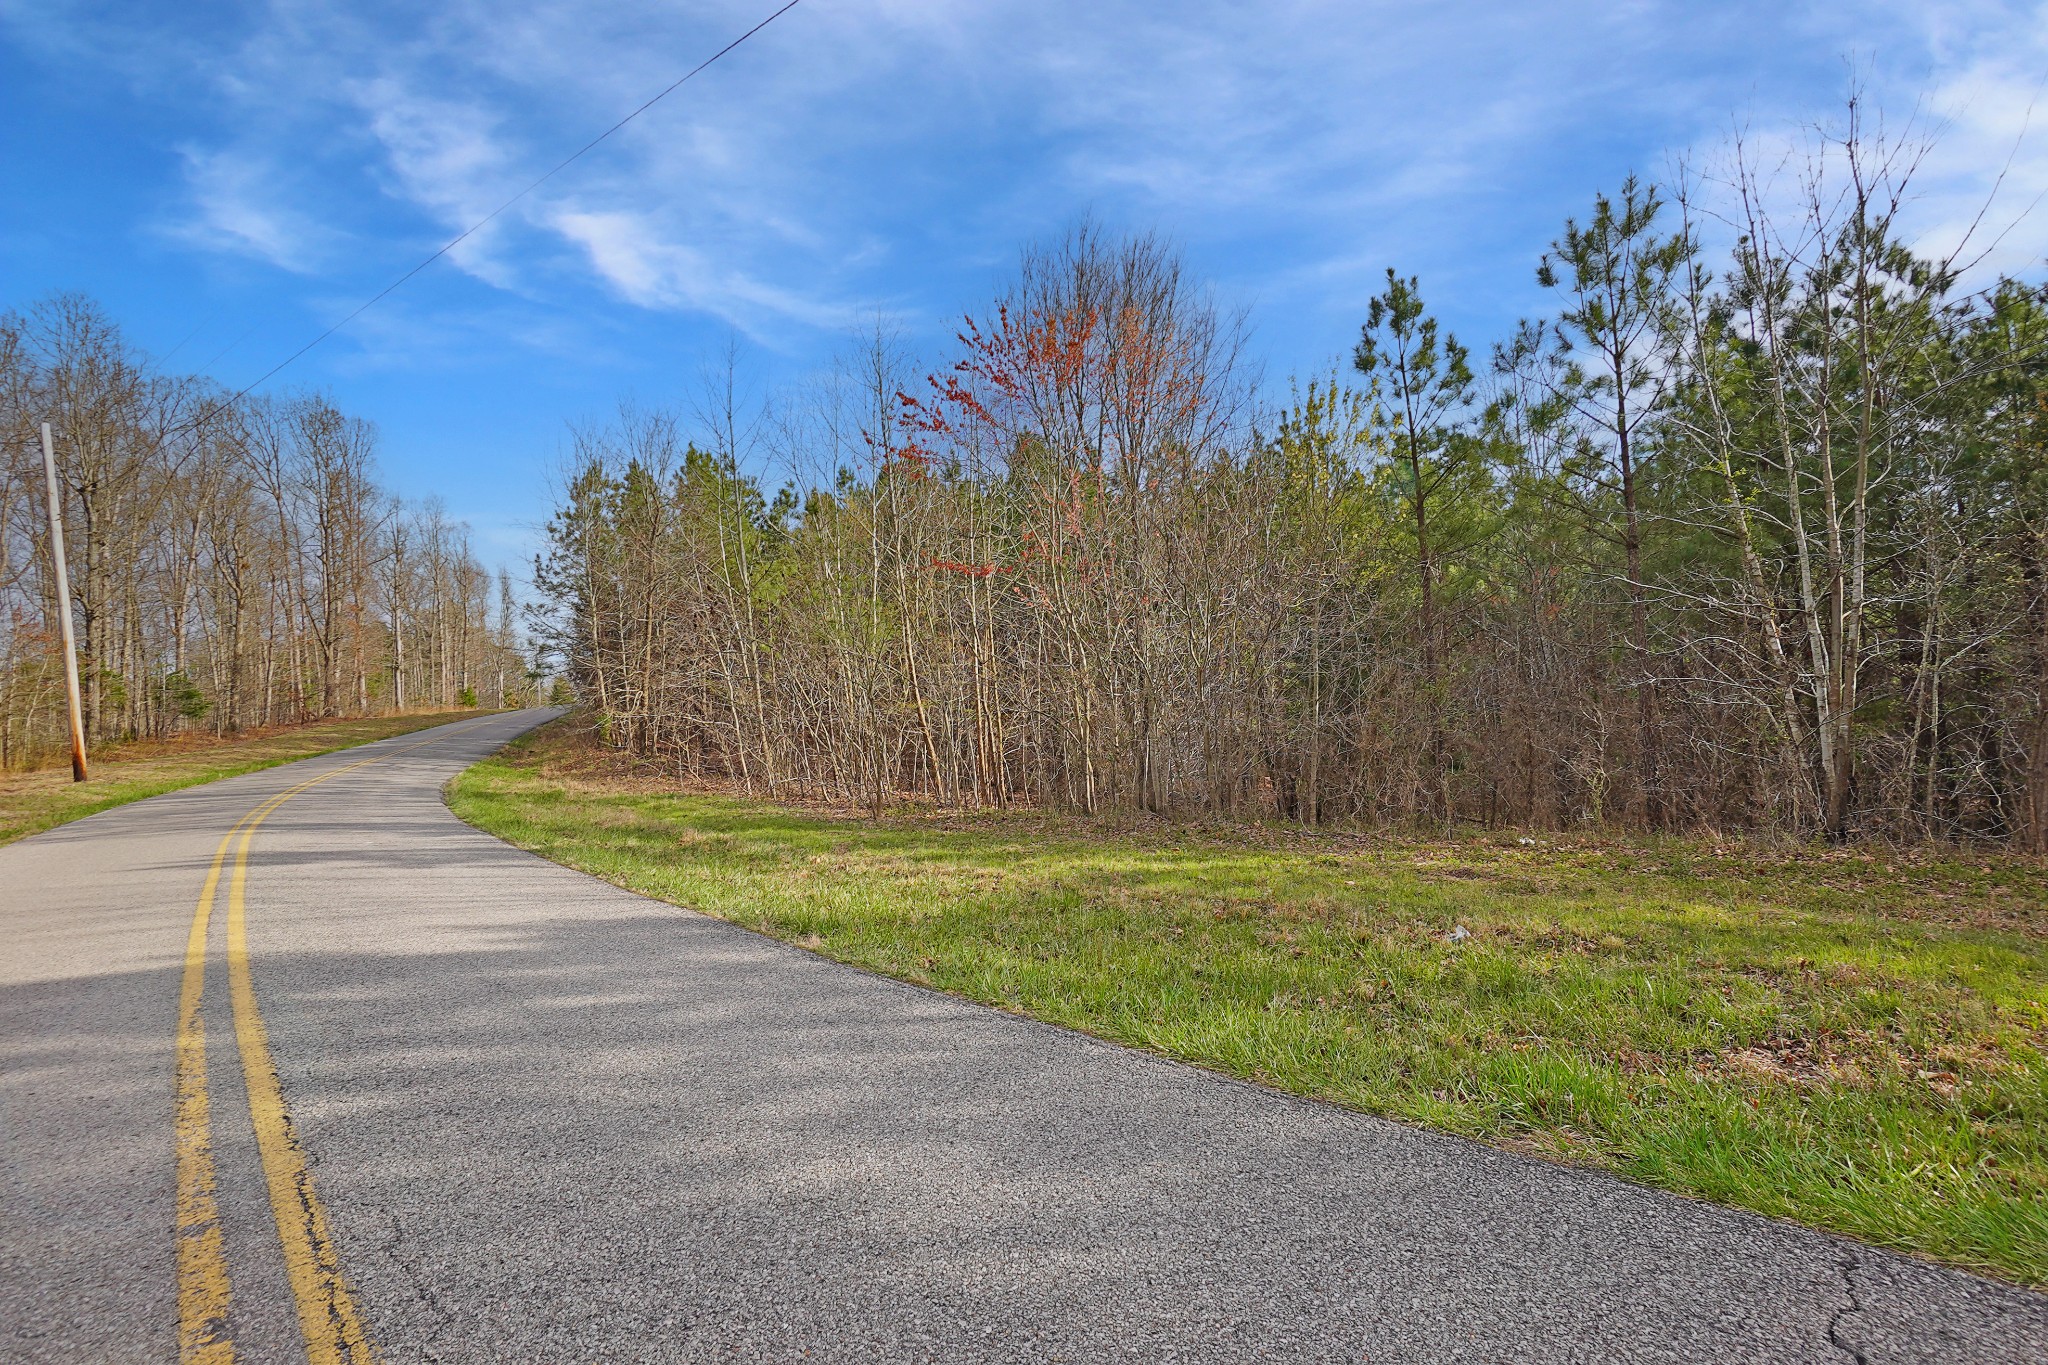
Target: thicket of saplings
232	564
1749	540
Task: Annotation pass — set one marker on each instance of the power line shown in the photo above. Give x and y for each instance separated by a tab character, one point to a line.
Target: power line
227	403
484	221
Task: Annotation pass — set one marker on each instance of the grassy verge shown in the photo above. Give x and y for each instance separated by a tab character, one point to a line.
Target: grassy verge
1854	1041
33	802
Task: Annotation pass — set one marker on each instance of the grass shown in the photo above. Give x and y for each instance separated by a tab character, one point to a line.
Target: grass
1852	1040
35	801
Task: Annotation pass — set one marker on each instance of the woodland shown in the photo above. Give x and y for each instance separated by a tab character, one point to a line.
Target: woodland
233	562
1750	535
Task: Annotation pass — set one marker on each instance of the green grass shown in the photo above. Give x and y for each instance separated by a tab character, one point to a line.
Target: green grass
36	801
1850	1040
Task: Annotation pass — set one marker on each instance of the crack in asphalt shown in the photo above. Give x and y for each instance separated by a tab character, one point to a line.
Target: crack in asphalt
416	1278
1849	1266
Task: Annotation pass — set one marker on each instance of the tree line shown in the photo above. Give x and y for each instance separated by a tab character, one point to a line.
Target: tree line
233	563
1751	537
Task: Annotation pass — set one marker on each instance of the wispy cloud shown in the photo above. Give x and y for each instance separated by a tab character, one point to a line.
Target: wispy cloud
897	152
644	267
443	156
1953	102
236	207
895	149
1987	170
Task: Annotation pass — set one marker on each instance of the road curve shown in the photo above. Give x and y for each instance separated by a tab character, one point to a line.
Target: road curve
543	1119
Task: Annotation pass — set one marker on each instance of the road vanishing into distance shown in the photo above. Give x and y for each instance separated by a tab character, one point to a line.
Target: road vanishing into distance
300	1067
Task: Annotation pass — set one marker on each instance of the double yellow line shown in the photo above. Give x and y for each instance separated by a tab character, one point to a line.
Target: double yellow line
328	1320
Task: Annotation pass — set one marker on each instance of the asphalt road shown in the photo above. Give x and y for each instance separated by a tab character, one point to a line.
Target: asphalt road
542	1119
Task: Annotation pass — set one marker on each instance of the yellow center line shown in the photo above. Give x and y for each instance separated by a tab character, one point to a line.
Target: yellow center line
202	1265
327	1315
328	1320
203	1287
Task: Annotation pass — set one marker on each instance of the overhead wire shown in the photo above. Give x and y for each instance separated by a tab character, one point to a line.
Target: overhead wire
480	223
486	220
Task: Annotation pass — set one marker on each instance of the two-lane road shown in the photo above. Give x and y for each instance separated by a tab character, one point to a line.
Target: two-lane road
336	1076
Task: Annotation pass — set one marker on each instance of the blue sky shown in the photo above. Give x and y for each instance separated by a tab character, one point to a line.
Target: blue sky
231	178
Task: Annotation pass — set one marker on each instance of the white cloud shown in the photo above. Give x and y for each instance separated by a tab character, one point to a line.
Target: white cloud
442	151
444	156
236	208
1957	109
1983	178
631	255
855	151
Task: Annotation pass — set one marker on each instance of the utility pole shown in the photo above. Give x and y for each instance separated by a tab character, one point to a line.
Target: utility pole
64	610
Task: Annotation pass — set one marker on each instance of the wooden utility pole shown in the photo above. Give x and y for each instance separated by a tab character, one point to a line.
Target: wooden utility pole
64	609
